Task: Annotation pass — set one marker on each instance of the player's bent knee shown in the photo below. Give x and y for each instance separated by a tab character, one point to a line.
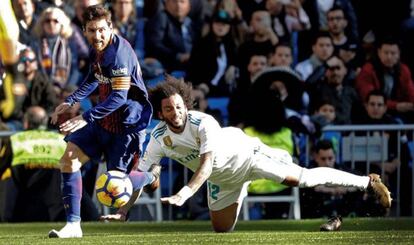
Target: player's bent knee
221	227
69	166
72	159
224	220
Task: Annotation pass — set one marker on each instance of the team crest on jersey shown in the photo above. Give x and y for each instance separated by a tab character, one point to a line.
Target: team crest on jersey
120	71
167	141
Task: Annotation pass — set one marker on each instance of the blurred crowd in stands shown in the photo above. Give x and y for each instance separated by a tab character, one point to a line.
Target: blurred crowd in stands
287	68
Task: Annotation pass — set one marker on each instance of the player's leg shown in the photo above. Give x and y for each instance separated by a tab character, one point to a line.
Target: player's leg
123	155
276	164
225	203
330	176
71	162
225	219
82	146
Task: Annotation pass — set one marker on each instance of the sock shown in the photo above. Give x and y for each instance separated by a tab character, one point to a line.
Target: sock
332	177
72	194
140	179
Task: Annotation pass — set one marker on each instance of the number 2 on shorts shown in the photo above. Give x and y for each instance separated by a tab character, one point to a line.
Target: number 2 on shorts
214	190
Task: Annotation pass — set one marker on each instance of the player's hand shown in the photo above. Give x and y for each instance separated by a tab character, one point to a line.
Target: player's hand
173	200
59	110
179	198
73	124
113	217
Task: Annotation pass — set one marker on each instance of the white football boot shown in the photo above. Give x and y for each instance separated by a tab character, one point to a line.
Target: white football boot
70	230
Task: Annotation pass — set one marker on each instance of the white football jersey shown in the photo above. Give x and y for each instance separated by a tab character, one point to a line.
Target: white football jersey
232	148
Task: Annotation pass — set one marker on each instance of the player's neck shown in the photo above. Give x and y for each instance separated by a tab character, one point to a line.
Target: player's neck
177	130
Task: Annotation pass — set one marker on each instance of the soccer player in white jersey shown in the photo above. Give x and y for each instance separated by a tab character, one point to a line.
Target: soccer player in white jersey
226	158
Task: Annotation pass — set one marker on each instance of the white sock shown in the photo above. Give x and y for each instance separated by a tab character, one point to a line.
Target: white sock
330	176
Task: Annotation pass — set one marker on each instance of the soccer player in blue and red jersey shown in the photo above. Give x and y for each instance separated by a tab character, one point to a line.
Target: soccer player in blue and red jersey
114	127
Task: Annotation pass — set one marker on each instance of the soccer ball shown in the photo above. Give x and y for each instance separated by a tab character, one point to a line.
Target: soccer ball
113	189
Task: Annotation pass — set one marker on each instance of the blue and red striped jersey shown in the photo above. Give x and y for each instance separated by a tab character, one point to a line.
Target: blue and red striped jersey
123	99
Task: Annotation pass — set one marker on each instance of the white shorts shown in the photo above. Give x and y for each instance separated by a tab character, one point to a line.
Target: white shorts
222	196
273	164
267	163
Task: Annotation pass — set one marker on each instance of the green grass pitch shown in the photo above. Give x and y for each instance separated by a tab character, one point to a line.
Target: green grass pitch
354	231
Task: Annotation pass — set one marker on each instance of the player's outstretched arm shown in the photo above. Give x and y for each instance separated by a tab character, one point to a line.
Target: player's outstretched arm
200	176
122	211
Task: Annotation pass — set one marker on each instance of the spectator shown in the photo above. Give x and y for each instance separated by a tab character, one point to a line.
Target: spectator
77	37
317	11
324	115
272	130
35	171
238	100
263	40
336	28
34	90
322	48
333	87
170	35
57	56
326	201
80	6
287	16
239	26
344	46
376	114
288	84
282	56
212	60
127	24
26	17
387	73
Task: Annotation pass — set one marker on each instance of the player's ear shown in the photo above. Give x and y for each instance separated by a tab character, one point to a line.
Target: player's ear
160	115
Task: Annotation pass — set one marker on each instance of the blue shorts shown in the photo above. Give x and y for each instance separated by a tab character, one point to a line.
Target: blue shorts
119	150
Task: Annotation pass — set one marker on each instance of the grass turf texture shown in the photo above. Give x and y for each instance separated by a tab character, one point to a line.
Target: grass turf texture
354	231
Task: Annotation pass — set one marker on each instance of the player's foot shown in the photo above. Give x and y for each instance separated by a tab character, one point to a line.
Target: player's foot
70	230
380	190
334	224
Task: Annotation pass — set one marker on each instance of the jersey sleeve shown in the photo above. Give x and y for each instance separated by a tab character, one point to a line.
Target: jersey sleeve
209	133
153	155
84	90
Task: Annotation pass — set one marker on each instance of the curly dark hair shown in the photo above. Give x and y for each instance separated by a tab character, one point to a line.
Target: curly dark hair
96	12
167	88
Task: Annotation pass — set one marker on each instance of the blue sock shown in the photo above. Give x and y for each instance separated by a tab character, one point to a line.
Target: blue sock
140	179
72	194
